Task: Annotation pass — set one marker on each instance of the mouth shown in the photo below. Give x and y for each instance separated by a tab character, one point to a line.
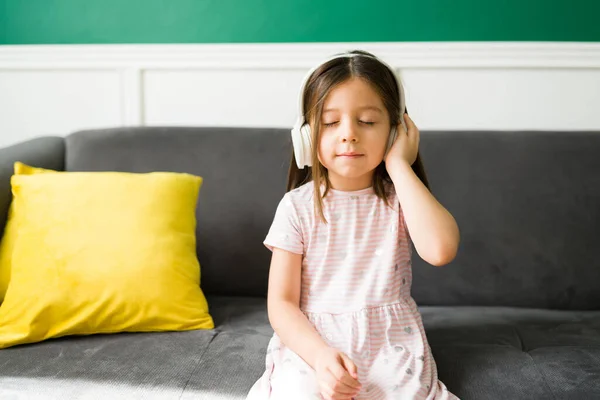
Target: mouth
350	154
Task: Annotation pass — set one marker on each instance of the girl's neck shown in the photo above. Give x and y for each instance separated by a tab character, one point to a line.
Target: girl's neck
350	184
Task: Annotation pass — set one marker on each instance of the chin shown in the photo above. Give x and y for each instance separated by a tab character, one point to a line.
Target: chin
350	174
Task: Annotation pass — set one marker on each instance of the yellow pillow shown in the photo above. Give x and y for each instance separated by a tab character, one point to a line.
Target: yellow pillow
103	252
10	232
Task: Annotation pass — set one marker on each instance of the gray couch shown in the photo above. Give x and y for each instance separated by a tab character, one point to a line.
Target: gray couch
515	316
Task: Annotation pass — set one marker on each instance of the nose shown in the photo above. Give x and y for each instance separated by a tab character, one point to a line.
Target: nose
349	133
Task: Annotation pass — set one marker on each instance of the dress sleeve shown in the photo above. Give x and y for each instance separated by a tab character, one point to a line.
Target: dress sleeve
285	232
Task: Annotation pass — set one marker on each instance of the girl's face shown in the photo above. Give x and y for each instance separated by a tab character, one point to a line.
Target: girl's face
355	127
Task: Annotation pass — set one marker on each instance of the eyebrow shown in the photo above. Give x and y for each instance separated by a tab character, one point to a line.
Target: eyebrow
373	108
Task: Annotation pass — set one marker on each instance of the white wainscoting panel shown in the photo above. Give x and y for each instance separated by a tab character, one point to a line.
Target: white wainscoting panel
231	97
504	99
55	102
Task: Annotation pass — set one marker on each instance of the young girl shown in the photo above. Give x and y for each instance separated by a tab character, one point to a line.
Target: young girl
346	326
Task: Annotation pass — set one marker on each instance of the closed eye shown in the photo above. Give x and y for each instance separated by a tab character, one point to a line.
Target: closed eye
330	124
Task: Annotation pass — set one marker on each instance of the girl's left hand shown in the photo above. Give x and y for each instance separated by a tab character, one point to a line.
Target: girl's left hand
406	146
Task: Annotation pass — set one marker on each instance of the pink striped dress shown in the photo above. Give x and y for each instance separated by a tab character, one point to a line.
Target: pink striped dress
356	278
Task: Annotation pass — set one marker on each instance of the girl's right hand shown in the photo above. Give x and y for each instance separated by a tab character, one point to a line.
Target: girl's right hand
336	375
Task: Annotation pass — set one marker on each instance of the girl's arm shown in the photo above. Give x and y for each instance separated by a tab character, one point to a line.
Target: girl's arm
283	303
432	228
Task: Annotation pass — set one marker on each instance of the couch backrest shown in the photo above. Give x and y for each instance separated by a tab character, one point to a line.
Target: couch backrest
244	173
528	206
527	203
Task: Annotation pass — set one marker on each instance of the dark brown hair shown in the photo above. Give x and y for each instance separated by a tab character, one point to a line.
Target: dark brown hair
326	77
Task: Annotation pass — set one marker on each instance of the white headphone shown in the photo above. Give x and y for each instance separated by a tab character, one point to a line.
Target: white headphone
301	133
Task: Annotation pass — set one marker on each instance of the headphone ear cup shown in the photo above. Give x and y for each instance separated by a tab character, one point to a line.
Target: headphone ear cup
301	140
297	144
305	133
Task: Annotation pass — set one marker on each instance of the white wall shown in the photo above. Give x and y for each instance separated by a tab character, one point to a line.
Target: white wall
55	90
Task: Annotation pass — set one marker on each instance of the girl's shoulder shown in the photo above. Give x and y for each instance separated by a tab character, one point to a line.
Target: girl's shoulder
300	200
302	195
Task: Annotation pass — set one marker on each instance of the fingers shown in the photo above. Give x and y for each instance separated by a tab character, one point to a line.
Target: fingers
342	382
347	374
409	122
349	366
338	378
349	382
336	396
345	382
327	396
404	126
330	394
413	131
400	128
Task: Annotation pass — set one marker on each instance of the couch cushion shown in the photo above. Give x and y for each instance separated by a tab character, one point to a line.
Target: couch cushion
481	353
116	366
161	365
513	353
244	172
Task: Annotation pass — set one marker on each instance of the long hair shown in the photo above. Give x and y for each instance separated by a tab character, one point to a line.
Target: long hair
318	86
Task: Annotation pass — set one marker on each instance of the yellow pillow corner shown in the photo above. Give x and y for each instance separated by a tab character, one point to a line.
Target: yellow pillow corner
9	236
102	252
25	169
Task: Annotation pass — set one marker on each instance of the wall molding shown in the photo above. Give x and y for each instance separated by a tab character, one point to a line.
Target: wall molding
301	55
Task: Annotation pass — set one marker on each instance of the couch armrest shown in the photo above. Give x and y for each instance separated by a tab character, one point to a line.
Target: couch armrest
43	152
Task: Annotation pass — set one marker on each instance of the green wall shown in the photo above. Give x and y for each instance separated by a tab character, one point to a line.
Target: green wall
245	21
